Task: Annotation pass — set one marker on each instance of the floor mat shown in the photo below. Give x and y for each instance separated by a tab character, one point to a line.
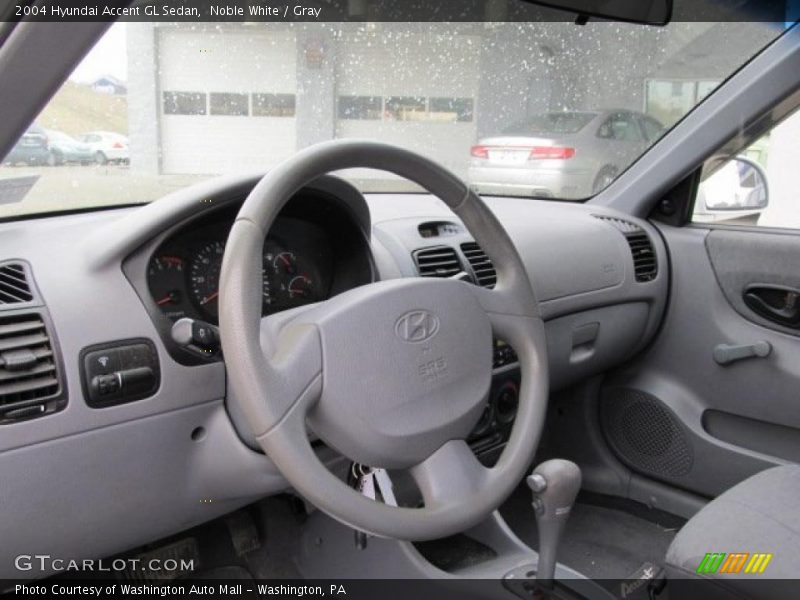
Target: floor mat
600	542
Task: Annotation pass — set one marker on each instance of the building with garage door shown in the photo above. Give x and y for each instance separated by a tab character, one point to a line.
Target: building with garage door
239	96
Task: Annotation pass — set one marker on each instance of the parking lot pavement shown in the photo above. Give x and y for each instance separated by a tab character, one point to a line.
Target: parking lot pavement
70	186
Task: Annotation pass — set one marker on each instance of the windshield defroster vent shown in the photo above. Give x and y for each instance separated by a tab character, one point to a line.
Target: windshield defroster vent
440	261
483	270
29	384
645	265
14	286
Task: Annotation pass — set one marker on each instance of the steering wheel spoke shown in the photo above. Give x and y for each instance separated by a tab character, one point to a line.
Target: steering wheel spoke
450	475
497	301
290	369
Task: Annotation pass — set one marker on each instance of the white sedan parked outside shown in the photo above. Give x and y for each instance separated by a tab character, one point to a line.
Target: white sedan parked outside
107	146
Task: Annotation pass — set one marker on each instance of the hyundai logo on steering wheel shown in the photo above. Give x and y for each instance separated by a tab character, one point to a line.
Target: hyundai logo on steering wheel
417	326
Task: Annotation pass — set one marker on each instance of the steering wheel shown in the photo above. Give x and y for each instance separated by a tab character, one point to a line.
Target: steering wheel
393	374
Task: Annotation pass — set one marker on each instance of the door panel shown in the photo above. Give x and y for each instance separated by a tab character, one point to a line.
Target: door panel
745	262
720	422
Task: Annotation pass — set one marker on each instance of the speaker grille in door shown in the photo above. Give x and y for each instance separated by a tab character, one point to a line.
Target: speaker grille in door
645	434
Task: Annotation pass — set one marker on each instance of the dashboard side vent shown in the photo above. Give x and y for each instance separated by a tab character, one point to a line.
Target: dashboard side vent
482	268
439	261
29	384
14	286
644	257
645	265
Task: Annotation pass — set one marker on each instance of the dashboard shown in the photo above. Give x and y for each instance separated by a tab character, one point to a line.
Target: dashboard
177	436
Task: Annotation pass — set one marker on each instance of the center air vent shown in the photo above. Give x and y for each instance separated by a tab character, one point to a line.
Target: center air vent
29	384
645	266
14	286
440	261
482	267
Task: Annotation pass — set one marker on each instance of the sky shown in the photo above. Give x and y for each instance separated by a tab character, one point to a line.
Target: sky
108	57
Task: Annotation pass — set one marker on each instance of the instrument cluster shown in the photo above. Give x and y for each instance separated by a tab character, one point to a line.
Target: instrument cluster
183	275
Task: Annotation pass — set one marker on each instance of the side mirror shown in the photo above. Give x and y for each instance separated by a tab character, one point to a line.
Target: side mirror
738	185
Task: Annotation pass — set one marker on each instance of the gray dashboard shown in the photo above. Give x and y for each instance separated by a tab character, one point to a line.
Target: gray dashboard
149	468
579	260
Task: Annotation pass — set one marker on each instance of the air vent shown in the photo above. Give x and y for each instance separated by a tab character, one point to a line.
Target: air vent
645	266
482	267
644	257
29	383
14	286
440	261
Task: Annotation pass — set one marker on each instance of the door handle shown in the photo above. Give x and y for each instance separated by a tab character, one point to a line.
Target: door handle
776	303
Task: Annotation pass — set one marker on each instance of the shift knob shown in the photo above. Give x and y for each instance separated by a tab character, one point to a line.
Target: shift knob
555	485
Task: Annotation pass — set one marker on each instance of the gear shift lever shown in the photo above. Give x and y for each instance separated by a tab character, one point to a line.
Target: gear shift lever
555	484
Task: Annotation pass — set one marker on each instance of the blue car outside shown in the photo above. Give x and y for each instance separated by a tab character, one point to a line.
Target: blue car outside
31	149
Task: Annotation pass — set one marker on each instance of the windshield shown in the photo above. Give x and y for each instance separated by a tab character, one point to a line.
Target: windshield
550	123
57	136
538	110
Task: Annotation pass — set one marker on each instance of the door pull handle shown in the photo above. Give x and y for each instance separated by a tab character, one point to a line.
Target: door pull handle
779	304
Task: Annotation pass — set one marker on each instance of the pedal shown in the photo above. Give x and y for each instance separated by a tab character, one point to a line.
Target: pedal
243	531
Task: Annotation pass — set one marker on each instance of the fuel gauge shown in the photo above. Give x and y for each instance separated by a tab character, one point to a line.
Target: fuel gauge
300	287
289	280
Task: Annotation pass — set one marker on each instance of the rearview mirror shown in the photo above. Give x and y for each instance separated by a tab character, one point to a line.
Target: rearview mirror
646	12
738	185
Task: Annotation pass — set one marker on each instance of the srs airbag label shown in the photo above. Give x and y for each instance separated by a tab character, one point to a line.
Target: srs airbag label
433	369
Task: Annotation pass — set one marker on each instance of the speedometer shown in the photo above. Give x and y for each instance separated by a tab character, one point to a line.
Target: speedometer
204	274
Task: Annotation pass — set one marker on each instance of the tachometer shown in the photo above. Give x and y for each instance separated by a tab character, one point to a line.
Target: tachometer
165	277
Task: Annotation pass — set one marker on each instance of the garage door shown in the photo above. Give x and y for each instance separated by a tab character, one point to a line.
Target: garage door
410	88
227	99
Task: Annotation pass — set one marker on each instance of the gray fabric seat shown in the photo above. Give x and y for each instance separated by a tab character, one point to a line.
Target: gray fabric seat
759	515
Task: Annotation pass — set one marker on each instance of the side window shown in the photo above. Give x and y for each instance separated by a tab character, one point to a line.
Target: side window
652	129
362	108
184	103
620	127
273	105
232	105
760	186
451	110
